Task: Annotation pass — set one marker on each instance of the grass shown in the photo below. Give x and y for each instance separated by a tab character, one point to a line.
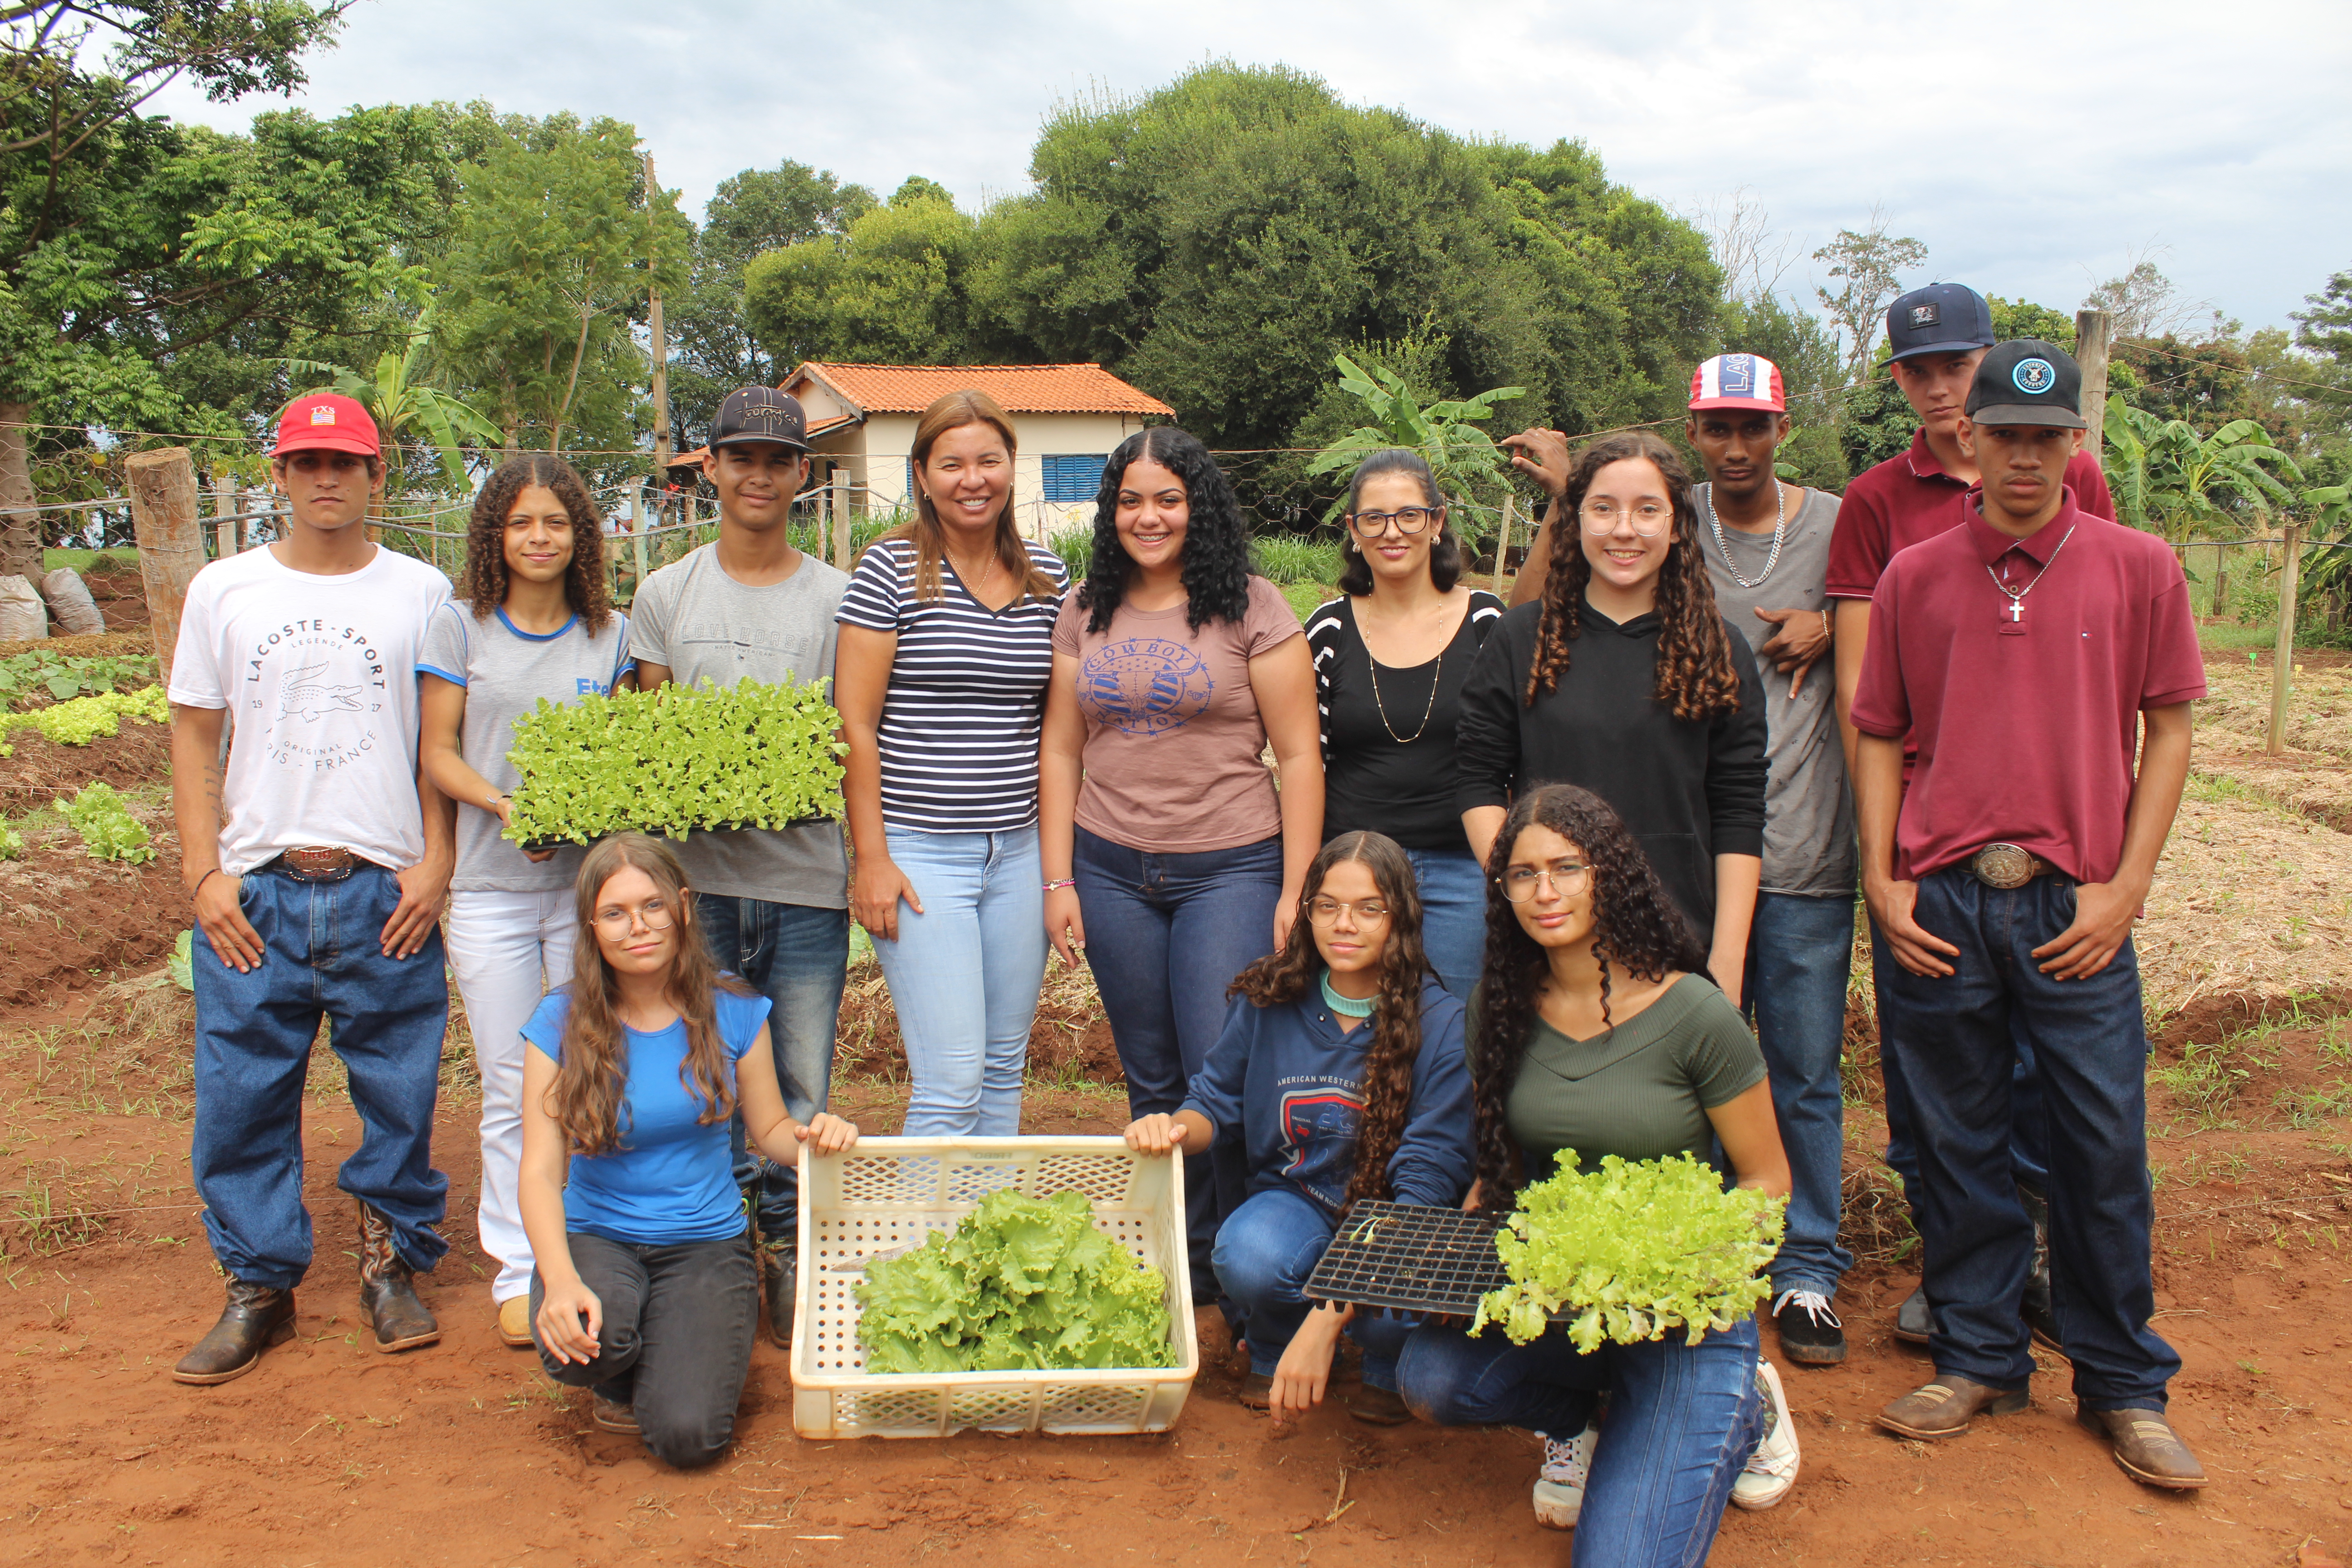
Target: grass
121	559
1287	559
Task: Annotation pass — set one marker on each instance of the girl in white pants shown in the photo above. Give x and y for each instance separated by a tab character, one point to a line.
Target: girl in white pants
532	620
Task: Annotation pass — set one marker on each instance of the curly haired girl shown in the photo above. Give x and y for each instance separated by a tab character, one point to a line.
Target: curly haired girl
532	620
1331	1113
1594	1034
1624	679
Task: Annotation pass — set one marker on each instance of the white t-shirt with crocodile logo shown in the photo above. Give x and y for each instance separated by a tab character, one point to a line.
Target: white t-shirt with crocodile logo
319	676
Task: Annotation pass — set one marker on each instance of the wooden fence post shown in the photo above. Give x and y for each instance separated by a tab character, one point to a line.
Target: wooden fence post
637	530
2282	655
224	508
838	487
2220	578
1503	543
2094	331
162	486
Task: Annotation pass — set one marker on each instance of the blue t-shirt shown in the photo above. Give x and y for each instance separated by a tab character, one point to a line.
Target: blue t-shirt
673	1179
1287	1082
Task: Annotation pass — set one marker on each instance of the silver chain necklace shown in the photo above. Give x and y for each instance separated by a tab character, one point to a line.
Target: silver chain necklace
2017	595
1780	531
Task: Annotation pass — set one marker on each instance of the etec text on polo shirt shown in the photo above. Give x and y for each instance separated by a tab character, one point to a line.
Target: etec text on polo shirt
1908	498
2025	710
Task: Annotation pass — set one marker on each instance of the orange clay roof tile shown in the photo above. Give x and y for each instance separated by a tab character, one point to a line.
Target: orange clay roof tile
1021	389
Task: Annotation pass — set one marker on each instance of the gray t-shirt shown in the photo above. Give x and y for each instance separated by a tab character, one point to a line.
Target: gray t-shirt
1808	844
704	626
504	672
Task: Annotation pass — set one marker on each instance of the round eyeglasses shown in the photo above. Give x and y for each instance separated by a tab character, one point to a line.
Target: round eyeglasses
1567	877
1649	518
1409	521
653	914
1325	912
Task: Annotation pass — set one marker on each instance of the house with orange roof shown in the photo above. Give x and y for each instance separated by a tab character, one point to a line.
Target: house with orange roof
862	420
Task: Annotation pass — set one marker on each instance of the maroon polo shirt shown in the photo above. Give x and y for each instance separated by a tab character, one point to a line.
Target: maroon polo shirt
1906	499
2026	724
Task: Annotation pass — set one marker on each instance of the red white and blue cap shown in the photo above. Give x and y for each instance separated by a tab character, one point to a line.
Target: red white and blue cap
1738	380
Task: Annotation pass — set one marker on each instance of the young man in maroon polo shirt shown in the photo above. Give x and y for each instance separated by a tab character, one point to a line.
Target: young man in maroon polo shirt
1939	335
2019	652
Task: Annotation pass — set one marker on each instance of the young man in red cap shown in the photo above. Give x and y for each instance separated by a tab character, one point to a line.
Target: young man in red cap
2022	654
1939	334
316	857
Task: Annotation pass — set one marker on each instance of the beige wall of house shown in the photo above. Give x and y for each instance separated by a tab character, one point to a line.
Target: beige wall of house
875	454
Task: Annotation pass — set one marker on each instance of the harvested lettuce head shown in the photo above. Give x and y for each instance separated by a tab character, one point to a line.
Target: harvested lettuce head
1021	1284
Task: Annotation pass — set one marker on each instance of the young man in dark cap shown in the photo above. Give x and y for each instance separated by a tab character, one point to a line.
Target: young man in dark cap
1939	335
2021	653
774	904
316	856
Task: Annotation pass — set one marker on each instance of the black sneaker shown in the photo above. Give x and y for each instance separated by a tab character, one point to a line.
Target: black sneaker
1912	1322
1809	1331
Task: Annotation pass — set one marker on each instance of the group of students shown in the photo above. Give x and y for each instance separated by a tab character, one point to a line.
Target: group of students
1518	882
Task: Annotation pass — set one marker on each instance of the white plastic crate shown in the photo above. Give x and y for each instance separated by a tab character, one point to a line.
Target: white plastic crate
887	1192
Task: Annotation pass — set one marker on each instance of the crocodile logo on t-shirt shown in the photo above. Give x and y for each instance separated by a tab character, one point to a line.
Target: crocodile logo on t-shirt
306	694
1144	686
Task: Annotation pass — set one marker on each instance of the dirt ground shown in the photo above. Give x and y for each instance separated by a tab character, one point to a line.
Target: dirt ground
461	1452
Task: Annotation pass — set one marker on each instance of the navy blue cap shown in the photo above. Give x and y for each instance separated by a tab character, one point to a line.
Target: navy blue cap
1941	318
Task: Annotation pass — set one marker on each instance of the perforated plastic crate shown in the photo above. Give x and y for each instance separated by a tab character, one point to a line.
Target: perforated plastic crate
889	1192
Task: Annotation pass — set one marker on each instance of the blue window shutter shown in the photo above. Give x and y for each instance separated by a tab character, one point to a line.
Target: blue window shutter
1073	476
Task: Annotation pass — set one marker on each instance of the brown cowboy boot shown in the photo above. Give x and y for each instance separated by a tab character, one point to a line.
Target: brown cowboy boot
256	1317
386	1290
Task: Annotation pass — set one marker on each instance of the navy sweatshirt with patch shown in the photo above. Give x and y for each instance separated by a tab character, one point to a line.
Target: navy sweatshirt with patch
1291	1085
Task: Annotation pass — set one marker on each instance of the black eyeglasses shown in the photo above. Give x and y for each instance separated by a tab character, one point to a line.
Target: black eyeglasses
1409	522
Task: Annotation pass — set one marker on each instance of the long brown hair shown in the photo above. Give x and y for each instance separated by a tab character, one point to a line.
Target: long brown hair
1396	1016
586	1099
1635	928
953	411
1696	678
483	584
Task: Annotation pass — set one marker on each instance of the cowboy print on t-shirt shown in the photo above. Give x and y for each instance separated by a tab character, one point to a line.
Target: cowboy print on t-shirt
1144	686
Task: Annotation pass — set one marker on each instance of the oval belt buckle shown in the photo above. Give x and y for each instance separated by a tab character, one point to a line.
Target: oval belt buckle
2003	866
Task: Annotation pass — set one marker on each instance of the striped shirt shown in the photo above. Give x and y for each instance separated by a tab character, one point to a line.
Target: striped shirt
967	696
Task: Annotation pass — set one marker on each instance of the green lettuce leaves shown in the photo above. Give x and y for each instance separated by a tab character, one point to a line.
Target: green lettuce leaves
1021	1284
670	761
1633	1250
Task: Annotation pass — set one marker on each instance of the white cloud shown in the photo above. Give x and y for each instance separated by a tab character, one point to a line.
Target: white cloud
2034	147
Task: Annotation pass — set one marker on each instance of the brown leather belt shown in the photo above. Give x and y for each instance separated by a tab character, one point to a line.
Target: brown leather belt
2005	865
319	863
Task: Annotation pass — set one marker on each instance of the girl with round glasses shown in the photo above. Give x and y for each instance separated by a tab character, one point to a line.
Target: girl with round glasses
1392	654
1593	1031
1340	1074
1624	678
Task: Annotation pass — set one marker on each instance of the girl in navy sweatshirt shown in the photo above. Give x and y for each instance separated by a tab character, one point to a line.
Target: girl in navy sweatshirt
1341	1072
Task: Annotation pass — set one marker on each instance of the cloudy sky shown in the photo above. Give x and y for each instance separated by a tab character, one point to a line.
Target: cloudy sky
2035	147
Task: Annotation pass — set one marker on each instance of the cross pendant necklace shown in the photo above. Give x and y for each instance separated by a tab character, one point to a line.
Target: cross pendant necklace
2017	595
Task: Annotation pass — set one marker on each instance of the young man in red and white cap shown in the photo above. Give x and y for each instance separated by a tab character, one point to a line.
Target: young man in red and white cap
316	857
2042	661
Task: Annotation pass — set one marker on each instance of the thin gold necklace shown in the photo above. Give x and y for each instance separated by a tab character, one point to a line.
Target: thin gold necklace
1435	677
972	585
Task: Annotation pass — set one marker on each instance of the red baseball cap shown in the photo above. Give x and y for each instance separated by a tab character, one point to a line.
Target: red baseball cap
1738	380
326	421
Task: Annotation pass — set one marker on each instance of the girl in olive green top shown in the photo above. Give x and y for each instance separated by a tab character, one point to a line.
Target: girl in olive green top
1596	1029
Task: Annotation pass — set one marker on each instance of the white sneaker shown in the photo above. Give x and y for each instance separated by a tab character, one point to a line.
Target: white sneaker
1772	1467
1560	1485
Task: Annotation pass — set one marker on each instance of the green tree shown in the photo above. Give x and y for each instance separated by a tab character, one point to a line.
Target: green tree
889	291
2168	479
2024	319
1469	466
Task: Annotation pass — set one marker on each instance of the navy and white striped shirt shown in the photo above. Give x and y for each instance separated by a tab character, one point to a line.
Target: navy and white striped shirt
967	696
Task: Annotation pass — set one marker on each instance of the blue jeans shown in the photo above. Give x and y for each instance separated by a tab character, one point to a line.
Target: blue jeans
1682	1421
1165	935
1265	1251
1956	1040
2029	1142
1453	915
1799	951
323	956
798	957
964	976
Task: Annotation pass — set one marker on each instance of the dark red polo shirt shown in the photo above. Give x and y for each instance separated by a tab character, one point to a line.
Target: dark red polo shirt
2026	724
1906	499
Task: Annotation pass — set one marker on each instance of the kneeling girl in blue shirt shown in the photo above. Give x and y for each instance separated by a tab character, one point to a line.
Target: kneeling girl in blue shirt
1341	1072
645	1289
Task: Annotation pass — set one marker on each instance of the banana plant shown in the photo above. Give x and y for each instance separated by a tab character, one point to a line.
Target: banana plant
2330	571
1464	457
400	402
2168	479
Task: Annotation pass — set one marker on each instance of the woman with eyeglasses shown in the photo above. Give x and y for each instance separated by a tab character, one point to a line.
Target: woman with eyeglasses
1391	656
645	1292
1593	1033
1340	1074
1624	677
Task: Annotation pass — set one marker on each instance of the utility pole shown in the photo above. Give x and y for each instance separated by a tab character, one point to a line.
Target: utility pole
661	349
2094	331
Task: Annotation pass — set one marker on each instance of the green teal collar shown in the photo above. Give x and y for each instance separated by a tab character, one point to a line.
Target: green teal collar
1346	1005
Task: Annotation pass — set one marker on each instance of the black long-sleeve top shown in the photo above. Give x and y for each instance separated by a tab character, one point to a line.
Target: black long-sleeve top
1688	790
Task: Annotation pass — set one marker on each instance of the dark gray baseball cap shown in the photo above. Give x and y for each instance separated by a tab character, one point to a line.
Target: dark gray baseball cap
759	413
2028	381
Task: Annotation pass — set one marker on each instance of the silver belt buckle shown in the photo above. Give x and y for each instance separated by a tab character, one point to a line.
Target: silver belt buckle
2002	865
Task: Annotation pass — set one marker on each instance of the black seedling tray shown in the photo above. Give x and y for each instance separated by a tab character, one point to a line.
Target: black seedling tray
1410	1259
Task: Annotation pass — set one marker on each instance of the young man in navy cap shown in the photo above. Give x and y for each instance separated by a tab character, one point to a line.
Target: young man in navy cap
1939	335
2021	653
774	904
316	857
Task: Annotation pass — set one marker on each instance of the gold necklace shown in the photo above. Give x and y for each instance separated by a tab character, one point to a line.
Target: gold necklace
1435	677
972	585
